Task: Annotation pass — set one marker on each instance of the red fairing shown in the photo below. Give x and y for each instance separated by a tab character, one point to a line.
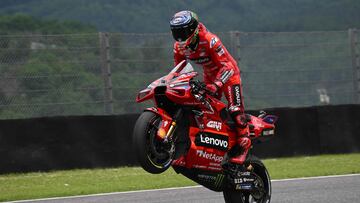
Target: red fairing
209	130
147	93
165	123
179	90
144	95
201	156
261	128
160	112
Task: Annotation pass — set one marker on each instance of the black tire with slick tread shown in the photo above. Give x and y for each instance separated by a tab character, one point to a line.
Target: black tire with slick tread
143	140
233	196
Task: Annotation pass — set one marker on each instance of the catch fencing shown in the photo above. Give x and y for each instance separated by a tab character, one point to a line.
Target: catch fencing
101	73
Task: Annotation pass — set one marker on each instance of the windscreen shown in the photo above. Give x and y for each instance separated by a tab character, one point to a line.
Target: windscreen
187	69
182	68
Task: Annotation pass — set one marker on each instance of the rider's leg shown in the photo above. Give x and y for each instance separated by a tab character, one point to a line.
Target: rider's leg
240	142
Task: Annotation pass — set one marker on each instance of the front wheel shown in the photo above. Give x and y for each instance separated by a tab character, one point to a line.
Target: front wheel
153	155
262	193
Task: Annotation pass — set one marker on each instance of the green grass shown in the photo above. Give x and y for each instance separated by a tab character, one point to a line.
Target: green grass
309	166
80	182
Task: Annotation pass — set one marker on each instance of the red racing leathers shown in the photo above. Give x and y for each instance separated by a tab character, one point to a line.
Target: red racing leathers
220	70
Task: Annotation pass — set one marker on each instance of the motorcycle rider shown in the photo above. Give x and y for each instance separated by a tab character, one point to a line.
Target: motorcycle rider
221	73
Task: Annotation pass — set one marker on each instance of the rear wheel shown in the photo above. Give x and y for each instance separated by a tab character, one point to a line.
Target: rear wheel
153	155
262	194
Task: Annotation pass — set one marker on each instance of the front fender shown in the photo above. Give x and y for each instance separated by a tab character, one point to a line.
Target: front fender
162	113
166	122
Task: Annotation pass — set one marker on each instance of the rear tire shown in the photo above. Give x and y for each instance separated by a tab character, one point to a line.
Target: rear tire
233	196
236	196
152	154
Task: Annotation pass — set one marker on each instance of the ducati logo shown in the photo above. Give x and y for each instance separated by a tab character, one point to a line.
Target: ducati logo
214	124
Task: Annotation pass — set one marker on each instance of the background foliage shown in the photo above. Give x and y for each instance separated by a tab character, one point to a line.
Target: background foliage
50	51
153	16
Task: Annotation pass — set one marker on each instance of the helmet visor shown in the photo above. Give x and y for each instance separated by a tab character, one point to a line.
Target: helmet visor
181	34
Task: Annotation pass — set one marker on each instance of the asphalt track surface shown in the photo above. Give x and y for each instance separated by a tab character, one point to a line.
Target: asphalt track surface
320	189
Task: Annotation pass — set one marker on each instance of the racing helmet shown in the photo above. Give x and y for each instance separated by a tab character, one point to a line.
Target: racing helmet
184	26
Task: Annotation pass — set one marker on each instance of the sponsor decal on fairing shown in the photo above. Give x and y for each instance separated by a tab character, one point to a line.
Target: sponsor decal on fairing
243	187
207	178
214	124
243	180
209	156
220	142
268	132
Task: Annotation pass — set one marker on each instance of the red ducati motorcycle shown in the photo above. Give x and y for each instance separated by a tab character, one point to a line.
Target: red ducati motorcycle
188	129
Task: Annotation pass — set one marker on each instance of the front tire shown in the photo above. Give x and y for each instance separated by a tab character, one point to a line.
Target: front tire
152	154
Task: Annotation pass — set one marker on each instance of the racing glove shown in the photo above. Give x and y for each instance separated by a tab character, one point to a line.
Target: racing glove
241	121
214	87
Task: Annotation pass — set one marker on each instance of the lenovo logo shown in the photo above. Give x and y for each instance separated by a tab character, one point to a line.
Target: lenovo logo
211	140
237	95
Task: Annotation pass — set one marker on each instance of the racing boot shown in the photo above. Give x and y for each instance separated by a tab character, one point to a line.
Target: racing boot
240	144
242	149
233	163
242	139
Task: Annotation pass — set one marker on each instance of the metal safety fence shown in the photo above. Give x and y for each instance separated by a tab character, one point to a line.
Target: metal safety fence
101	73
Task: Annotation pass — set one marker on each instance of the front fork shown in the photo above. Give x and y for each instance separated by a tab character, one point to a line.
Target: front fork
167	126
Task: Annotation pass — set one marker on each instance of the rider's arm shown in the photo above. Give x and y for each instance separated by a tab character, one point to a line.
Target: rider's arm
223	60
178	55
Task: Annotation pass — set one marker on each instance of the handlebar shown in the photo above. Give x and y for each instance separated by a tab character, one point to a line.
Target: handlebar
199	87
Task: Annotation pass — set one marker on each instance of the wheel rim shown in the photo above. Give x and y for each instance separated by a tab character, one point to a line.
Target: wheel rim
262	195
157	152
